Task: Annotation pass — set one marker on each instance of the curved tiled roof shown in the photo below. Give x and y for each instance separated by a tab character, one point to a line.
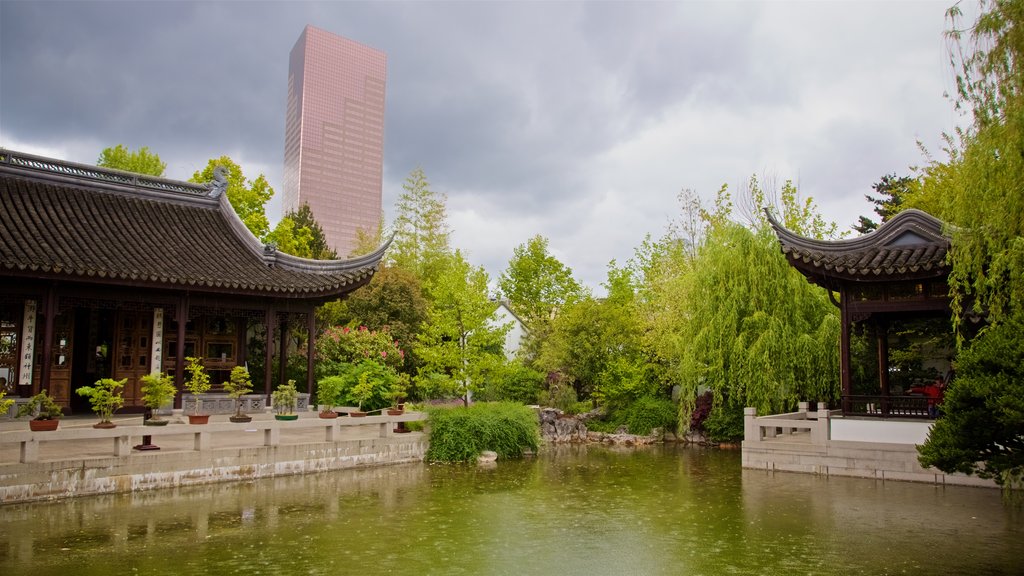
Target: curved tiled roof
60	220
911	245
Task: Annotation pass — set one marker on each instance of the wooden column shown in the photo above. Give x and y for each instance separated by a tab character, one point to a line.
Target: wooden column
50	315
310	353
882	334
844	352
268	364
282	360
179	359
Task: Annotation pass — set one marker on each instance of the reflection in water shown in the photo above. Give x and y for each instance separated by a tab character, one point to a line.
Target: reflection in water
571	510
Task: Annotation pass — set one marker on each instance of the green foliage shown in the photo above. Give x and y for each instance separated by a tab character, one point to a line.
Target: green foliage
285	398
247	197
978	188
648	413
462	434
5	403
982	428
342	346
457	339
104	396
157	390
725	423
392	302
329	390
40	407
891	192
298	233
142	161
513	382
239	383
198	381
366	383
737	319
536	283
559	394
421	229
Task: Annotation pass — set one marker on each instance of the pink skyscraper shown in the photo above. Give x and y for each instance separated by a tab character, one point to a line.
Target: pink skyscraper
334	134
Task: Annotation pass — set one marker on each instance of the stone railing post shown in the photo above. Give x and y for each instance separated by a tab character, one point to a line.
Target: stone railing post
803	408
822	431
751	432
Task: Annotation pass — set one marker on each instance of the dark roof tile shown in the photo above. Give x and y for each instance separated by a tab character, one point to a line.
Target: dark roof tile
70	220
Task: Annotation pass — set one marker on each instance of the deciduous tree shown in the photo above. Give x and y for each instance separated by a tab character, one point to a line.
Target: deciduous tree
421	229
141	161
247	197
456	340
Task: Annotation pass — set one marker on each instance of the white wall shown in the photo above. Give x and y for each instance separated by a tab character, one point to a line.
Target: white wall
883	431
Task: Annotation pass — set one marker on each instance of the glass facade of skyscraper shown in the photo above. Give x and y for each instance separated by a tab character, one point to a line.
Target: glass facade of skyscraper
334	134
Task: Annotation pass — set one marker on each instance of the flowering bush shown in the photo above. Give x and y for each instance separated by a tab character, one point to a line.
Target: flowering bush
342	345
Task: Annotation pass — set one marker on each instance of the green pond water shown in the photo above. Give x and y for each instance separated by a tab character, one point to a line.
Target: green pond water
569	511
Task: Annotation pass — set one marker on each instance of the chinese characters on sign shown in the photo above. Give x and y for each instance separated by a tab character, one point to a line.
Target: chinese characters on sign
158	341
28	343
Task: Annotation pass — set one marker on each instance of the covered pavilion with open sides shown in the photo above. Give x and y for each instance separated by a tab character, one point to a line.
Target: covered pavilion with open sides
880	281
105	273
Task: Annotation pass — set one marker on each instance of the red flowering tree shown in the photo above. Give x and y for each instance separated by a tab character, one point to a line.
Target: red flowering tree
341	346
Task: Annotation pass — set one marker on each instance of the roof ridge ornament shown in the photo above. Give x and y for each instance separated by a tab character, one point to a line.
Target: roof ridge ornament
219	184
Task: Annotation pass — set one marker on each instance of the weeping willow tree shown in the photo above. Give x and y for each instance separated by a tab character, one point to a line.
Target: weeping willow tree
743	324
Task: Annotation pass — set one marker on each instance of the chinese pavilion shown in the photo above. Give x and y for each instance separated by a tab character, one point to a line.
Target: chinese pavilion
105	273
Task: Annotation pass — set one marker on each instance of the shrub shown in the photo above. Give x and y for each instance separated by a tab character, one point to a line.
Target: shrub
725	424
559	395
377	383
649	413
461	434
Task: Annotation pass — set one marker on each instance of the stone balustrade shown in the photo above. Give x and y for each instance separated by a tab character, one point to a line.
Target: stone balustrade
123	436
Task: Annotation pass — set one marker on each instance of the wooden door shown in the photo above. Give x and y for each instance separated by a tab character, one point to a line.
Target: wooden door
131	352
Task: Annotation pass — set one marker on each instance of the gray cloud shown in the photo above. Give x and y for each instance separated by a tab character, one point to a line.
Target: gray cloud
576	120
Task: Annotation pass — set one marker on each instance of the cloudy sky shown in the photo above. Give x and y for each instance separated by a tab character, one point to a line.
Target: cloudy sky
577	121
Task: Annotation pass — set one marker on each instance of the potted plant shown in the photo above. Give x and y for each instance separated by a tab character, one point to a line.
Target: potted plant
157	390
239	385
198	383
5	405
105	397
328	390
284	399
396	393
361	392
46	413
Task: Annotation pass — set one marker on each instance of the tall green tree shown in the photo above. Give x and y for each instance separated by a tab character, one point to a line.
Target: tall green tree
979	188
298	233
892	191
421	242
982	428
141	161
738	321
536	283
392	301
457	341
247	197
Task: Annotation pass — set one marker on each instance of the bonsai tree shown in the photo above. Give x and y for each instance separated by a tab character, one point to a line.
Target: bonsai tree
285	398
328	392
5	405
157	390
362	391
239	385
199	381
40	407
398	390
105	397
